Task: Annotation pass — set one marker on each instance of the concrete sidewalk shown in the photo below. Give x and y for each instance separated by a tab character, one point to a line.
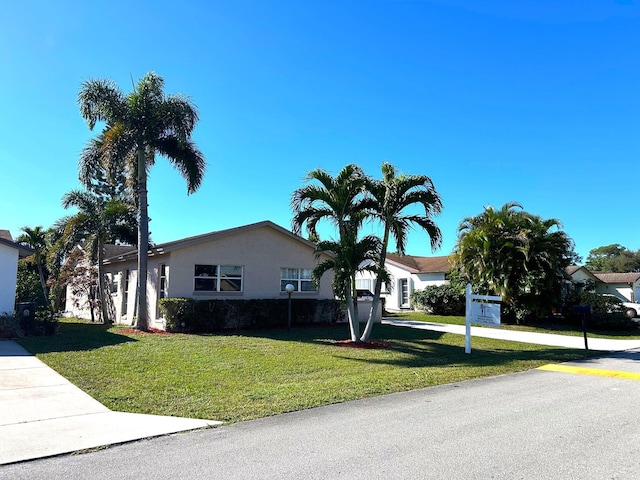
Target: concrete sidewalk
599	344
43	414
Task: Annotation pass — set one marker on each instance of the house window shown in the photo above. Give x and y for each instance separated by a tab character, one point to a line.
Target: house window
300	278
125	297
162	290
113	281
218	278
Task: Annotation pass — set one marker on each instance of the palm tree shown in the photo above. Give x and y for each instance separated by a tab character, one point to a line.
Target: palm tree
390	197
515	254
138	126
347	257
97	222
340	201
36	238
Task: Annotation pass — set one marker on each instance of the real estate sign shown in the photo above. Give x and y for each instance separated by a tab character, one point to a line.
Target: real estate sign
480	311
487	314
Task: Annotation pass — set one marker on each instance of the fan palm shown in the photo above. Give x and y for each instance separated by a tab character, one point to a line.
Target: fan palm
139	126
389	198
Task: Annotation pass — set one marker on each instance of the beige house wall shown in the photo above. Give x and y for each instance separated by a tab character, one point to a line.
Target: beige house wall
261	251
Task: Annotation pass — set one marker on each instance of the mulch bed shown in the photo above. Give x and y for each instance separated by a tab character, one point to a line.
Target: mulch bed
369	345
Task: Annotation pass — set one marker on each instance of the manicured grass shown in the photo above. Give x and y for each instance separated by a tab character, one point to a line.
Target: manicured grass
251	374
556	328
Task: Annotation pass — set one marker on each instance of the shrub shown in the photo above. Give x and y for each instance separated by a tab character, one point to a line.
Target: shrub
448	299
607	312
207	316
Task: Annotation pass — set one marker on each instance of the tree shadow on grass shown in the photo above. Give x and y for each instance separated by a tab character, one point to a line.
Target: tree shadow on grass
74	337
415	348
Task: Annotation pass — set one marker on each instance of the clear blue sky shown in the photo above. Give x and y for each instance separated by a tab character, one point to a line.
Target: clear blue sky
530	101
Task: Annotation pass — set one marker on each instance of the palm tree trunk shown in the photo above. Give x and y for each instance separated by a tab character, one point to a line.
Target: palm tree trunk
377	290
101	288
43	284
354	327
143	241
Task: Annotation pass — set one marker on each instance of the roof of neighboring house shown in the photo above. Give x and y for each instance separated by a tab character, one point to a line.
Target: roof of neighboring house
23	250
115	250
629	277
206	237
573	269
421	264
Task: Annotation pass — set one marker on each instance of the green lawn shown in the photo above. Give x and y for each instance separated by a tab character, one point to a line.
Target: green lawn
251	374
556	328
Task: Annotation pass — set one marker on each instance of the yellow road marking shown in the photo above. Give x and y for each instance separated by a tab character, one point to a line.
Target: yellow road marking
591	371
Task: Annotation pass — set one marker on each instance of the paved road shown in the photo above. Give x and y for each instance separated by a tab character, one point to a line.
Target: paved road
537	424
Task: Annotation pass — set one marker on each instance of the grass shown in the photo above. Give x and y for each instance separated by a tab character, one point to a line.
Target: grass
555	328
251	374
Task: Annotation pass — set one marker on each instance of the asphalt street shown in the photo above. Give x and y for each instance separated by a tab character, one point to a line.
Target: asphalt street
582	423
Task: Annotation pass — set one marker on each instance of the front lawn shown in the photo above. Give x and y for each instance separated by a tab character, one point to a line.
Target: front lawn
250	374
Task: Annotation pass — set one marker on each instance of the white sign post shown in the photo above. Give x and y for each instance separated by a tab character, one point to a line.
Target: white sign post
480	312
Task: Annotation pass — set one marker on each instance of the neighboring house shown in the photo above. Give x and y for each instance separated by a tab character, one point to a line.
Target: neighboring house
248	262
10	253
408	273
625	286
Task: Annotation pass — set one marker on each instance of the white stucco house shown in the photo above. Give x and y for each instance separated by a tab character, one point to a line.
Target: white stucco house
254	261
625	286
10	253
408	273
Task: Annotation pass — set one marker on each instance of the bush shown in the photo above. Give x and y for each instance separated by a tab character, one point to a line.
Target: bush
207	316
607	312
448	299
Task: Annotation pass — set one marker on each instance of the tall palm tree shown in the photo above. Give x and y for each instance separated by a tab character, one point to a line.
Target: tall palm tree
97	222
36	238
390	197
140	125
340	201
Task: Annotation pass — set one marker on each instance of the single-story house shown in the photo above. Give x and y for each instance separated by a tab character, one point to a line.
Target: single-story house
625	286
254	261
10	253
408	273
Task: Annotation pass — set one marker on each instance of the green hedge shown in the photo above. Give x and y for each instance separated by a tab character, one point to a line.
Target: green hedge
207	316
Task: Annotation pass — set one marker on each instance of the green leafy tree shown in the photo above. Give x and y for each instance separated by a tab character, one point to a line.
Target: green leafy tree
340	201
97	222
613	258
517	255
139	126
390	199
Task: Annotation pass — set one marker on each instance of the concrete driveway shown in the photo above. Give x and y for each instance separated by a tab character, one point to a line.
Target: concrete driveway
43	414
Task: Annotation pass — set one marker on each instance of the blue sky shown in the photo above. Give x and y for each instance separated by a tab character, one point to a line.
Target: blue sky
530	101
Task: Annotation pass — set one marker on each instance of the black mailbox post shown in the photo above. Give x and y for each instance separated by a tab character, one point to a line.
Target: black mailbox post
583	310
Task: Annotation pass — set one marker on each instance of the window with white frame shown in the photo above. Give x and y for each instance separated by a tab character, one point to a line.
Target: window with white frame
300	278
217	278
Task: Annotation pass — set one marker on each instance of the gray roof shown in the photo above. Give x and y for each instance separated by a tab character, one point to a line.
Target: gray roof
23	250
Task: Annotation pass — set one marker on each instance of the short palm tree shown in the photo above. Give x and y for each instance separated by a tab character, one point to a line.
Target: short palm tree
97	222
389	198
139	126
36	238
338	200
